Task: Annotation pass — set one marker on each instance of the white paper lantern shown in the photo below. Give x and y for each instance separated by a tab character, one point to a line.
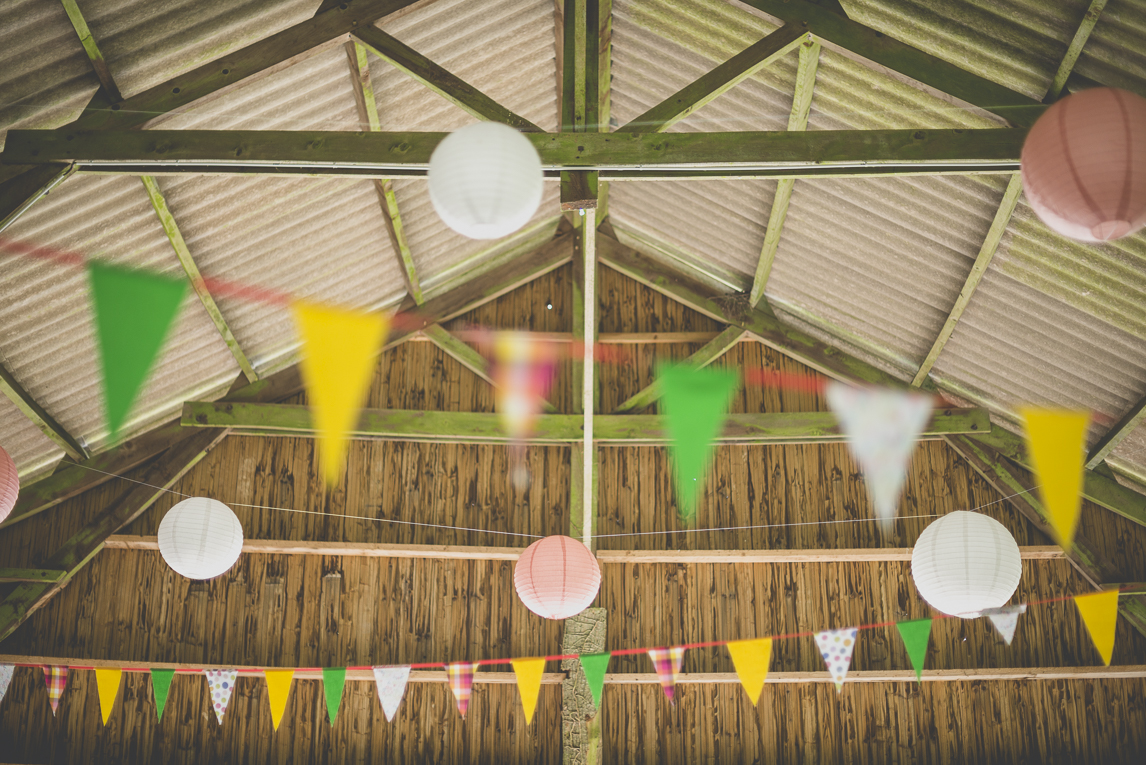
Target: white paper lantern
485	180
966	562
200	538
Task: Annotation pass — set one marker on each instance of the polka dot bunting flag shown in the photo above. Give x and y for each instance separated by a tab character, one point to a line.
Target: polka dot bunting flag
836	647
220	684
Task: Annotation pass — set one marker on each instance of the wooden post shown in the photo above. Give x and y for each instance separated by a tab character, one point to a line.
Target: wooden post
580	721
588	376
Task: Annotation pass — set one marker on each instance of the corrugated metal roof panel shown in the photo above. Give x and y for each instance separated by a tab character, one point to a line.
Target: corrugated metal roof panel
48	335
45	77
32	451
1114	54
146	43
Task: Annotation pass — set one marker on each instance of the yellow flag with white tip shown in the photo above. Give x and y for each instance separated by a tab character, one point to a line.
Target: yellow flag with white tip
1100	615
529	673
107	683
1055	441
339	351
751	659
278	689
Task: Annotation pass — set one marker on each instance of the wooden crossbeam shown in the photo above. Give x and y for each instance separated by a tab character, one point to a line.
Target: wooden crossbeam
794	153
39	416
978	270
436	78
1074	50
797	120
711	351
607	429
31	575
718	81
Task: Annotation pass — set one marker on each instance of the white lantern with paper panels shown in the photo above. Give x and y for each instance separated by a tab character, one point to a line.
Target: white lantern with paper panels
200	538
966	562
485	180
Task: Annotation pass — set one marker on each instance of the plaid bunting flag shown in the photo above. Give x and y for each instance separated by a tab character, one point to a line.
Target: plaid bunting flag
667	662
56	678
461	683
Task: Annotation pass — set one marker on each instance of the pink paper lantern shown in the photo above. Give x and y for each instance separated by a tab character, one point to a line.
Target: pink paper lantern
1084	165
9	484
557	577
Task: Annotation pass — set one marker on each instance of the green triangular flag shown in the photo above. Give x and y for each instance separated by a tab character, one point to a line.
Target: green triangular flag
133	312
595	665
333	679
160	685
915	635
695	403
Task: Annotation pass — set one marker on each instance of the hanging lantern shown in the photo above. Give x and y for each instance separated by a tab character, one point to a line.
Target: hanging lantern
965	563
9	484
200	538
1084	165
485	180
557	577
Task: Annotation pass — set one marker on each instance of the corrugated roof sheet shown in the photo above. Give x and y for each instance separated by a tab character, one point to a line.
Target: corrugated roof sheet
45	77
1114	54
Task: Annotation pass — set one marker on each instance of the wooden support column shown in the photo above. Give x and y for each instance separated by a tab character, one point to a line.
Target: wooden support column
589	378
39	417
711	351
797	120
580	720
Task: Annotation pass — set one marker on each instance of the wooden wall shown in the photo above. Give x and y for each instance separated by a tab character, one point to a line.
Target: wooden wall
280	610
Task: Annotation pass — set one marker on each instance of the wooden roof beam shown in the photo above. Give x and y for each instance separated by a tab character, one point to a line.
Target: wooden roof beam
710	352
1074	50
797	120
1116	435
39	416
99	65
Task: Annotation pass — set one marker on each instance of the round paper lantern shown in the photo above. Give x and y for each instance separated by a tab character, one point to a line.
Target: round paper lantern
557	577
485	180
964	563
200	538
9	484
1084	165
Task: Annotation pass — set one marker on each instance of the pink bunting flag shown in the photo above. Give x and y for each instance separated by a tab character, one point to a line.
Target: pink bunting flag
57	679
523	372
836	647
6	671
1005	619
391	683
667	662
461	676
220	685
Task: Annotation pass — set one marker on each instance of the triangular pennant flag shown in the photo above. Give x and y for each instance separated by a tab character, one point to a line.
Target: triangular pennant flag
461	676
751	659
340	349
836	647
667	663
1100	613
881	426
220	686
107	682
333	681
1005	619
133	313
915	635
595	666
695	404
529	673
6	672
161	686
278	690
56	679
1055	442
391	682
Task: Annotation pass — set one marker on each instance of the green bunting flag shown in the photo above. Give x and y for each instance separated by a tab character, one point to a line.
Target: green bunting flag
333	680
133	311
595	665
915	635
695	403
160	685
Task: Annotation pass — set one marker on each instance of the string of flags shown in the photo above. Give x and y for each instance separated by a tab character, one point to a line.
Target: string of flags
750	658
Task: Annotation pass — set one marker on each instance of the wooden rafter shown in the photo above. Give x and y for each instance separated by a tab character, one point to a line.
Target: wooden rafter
797	120
436	78
1116	435
978	269
813	153
1074	50
603	429
99	65
580	101
175	236
368	115
39	417
20	193
711	351
718	81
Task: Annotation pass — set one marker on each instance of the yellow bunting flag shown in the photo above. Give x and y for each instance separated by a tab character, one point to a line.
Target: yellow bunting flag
107	682
278	689
529	673
1099	614
339	350
1055	441
751	659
